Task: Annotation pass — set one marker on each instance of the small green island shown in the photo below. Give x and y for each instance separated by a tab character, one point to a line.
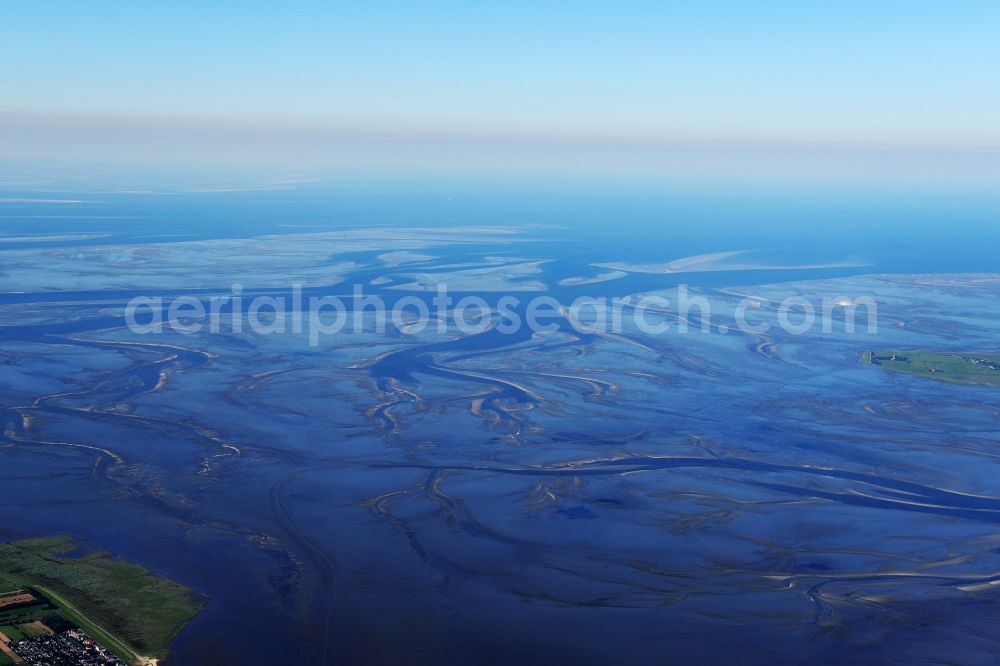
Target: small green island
63	602
955	367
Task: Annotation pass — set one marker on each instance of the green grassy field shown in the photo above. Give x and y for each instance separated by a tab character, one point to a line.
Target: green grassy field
13	633
127	608
955	367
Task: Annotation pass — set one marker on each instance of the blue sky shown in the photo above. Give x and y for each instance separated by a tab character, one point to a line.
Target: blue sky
772	72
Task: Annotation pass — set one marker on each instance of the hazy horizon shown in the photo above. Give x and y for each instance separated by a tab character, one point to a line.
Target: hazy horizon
893	90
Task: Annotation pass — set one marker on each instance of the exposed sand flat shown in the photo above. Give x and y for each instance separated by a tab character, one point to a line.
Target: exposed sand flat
685	264
601	277
944	279
41	238
308	258
716	261
969	284
457	234
400	257
493	277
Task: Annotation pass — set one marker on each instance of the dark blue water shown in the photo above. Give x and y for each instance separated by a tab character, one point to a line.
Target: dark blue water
503	498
